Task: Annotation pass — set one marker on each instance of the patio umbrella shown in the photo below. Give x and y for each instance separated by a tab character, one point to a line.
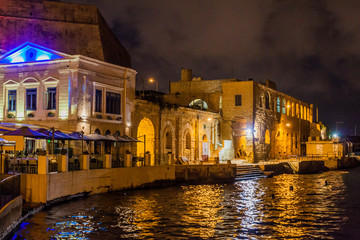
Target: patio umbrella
98	137
27	132
129	139
77	136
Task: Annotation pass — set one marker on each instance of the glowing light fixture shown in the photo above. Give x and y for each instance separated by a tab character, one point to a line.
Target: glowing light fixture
209	119
248	131
128	124
335	135
288	124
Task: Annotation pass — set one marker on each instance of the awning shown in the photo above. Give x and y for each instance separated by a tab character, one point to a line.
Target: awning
77	136
26	132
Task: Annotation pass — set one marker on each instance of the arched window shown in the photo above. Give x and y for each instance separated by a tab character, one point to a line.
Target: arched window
188	141
293	109
97	144
283	106
305	108
267	100
168	140
198	104
278	104
107	143
301	112
297	110
267	137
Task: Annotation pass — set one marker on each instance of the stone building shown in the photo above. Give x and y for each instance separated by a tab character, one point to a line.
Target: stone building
48	88
171	129
258	121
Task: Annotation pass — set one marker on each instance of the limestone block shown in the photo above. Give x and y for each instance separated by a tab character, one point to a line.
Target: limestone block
108	161
43	165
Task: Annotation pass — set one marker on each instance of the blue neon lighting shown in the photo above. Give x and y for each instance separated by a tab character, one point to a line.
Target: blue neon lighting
29	52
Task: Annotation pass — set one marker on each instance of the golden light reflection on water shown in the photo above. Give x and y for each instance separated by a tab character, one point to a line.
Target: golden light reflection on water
283	207
201	207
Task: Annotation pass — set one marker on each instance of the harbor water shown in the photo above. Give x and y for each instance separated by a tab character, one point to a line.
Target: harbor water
314	206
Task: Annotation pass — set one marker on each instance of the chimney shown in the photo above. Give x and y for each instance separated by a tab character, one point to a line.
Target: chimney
186	75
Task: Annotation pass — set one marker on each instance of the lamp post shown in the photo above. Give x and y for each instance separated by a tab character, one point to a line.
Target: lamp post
151	80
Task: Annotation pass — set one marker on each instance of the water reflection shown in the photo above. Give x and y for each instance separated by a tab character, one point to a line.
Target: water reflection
286	206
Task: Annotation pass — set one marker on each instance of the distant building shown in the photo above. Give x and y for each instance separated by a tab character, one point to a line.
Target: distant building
258	121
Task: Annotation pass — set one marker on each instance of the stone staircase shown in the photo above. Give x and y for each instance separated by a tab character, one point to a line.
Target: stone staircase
248	172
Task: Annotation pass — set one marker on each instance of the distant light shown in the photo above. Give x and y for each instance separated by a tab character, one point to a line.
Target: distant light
248	131
151	80
288	106
209	119
128	124
335	135
288	124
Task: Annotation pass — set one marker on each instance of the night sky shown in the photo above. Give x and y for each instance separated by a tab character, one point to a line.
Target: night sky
311	49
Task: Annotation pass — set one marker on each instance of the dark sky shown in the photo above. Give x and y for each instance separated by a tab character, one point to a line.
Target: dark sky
310	48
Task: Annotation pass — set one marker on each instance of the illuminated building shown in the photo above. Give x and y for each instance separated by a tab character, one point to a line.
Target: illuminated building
257	121
45	87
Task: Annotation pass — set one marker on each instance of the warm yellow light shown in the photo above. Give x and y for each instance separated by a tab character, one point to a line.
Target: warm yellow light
209	119
288	106
288	124
151	80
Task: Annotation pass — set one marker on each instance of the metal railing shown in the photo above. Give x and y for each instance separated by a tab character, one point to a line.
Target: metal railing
22	165
9	189
96	161
117	160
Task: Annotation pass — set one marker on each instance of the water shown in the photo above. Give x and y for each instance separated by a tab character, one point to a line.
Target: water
254	209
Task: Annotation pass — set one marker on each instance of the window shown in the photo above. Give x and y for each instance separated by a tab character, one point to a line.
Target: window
284	106
12	100
113	103
31	99
267	100
238	100
297	110
98	100
293	109
168	140
188	141
199	104
51	98
278	105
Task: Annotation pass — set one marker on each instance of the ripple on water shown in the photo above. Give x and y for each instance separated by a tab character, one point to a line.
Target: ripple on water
286	206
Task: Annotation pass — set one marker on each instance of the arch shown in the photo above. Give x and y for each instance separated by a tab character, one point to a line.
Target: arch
97	144
30	80
146	133
107	143
267	100
267	137
205	150
50	80
198	104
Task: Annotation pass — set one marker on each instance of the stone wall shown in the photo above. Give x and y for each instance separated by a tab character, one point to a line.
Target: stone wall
67	27
43	188
205	173
9	215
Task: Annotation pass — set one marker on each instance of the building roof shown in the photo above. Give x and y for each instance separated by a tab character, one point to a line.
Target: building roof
74	29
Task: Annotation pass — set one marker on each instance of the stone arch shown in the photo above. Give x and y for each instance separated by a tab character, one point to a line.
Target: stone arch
267	137
168	132
97	144
205	148
146	133
107	143
198	104
187	143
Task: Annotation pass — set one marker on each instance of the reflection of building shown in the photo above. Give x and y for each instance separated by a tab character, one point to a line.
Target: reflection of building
256	119
44	87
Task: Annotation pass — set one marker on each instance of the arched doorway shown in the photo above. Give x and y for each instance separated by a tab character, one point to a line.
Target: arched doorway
107	143
205	149
146	134
97	144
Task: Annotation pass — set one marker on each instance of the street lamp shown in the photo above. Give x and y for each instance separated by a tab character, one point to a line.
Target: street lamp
151	80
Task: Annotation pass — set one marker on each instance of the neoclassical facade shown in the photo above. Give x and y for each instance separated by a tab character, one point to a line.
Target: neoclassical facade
43	87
